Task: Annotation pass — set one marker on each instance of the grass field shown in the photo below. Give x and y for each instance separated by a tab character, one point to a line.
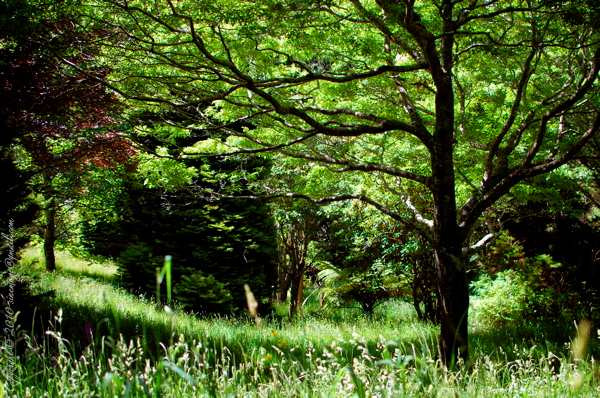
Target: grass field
105	342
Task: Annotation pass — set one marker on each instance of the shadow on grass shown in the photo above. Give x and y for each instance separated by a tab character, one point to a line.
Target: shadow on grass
507	343
229	343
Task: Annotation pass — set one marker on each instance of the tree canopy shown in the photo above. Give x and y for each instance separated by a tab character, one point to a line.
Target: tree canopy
433	110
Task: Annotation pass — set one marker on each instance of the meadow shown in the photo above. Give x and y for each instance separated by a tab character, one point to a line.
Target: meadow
101	341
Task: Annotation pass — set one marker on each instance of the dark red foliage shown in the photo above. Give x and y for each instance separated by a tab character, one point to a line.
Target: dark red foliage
63	118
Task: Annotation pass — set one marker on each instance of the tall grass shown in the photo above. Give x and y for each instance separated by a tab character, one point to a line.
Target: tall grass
105	342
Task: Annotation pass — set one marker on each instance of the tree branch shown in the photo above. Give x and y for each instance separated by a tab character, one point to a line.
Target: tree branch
480	245
338	198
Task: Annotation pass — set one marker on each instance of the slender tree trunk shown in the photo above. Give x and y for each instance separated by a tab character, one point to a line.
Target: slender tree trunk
294	296
284	284
417	300
50	236
297	255
321	300
297	287
300	295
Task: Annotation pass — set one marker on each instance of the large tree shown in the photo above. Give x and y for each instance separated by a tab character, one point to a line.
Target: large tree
445	105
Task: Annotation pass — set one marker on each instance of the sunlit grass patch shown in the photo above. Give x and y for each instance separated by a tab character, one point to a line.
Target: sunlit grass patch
67	264
72	266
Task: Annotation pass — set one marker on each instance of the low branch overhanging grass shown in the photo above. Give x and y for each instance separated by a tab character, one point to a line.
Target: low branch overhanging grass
320	354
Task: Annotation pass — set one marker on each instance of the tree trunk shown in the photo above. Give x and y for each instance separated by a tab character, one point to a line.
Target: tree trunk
452	287
293	297
321	300
448	238
417	300
300	295
296	293
297	255
284	284
50	237
453	296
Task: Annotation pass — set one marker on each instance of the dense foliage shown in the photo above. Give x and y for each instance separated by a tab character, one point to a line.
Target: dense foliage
546	263
216	248
58	121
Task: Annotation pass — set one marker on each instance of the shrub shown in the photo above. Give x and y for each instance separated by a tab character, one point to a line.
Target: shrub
500	301
137	268
368	288
515	285
233	240
203	294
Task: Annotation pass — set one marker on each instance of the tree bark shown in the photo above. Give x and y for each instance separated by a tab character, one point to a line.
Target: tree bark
297	286
453	296
50	237
300	295
294	296
284	283
453	292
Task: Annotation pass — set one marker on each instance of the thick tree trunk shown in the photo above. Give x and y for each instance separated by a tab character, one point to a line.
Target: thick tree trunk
453	296
452	288
50	237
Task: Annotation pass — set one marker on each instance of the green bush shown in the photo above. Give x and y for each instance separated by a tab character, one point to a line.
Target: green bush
203	294
502	300
513	285
137	268
233	240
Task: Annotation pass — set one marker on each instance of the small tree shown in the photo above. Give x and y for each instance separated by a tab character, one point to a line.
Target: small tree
61	117
298	226
360	258
203	294
221	247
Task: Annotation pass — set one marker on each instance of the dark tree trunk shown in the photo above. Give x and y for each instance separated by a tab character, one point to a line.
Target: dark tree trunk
448	239
284	284
432	312
453	296
294	297
50	237
297	251
293	250
417	301
297	286
424	291
452	288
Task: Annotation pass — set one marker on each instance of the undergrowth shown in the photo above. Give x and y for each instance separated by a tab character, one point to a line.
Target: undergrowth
101	341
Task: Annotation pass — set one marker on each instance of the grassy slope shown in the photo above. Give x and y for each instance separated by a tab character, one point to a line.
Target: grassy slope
322	353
